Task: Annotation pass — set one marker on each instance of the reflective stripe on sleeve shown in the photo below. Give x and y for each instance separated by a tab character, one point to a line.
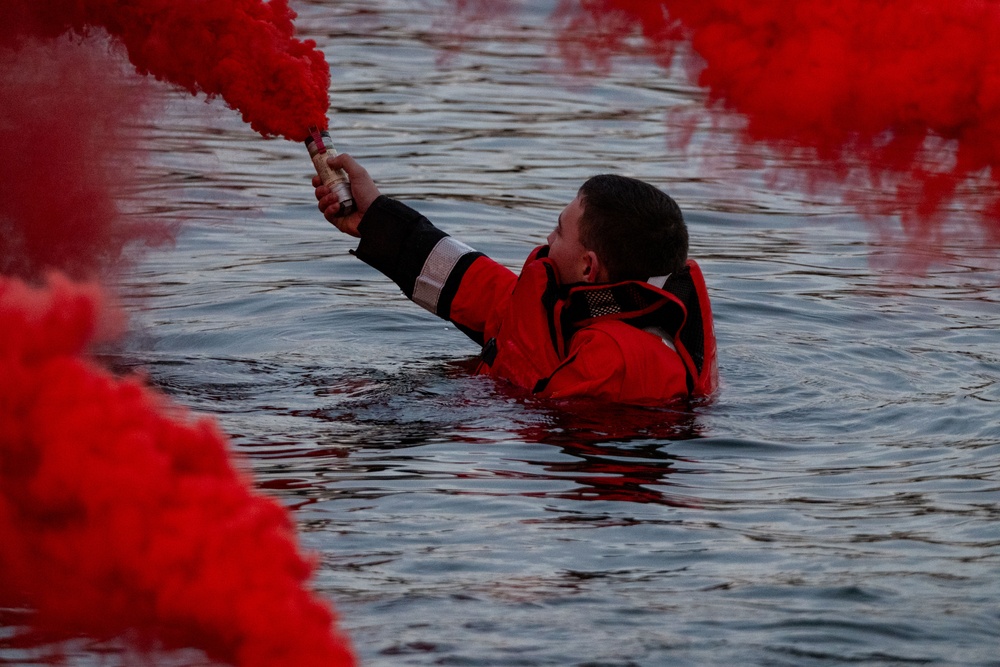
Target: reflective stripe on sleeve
437	267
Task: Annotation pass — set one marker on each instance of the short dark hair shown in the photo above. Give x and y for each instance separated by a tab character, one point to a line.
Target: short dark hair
636	229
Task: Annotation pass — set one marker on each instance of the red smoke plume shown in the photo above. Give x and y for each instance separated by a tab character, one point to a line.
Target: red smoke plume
66	159
241	50
118	511
121	515
902	96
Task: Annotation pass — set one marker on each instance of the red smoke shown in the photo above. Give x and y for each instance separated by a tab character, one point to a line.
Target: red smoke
899	96
66	159
120	512
241	50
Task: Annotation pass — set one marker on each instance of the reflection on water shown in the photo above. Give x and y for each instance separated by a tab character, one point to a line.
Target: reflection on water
836	503
614	457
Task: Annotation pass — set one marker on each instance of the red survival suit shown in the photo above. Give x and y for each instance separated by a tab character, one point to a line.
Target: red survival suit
645	343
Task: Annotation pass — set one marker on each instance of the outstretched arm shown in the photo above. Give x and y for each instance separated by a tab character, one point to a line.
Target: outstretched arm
434	270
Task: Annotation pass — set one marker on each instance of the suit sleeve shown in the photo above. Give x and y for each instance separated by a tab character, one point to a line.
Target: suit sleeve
434	270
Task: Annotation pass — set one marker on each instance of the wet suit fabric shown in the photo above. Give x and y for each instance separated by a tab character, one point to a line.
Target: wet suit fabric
645	343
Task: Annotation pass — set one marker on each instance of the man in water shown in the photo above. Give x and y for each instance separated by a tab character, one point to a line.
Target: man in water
611	308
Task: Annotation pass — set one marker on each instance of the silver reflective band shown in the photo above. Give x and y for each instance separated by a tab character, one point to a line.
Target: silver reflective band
667	339
437	267
659	281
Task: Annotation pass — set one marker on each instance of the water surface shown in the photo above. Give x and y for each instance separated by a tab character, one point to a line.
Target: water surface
836	503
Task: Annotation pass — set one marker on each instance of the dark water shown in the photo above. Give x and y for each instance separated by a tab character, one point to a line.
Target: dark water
836	504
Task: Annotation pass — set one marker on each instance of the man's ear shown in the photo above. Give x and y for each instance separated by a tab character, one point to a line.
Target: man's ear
593	271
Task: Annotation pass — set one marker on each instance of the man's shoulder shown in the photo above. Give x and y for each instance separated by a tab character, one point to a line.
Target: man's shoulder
639	351
631	344
650	369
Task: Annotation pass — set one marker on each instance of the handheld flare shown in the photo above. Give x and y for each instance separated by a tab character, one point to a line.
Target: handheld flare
320	149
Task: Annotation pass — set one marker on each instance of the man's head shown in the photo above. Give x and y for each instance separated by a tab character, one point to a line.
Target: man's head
618	228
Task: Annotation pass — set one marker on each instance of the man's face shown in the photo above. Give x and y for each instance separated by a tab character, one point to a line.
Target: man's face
565	248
